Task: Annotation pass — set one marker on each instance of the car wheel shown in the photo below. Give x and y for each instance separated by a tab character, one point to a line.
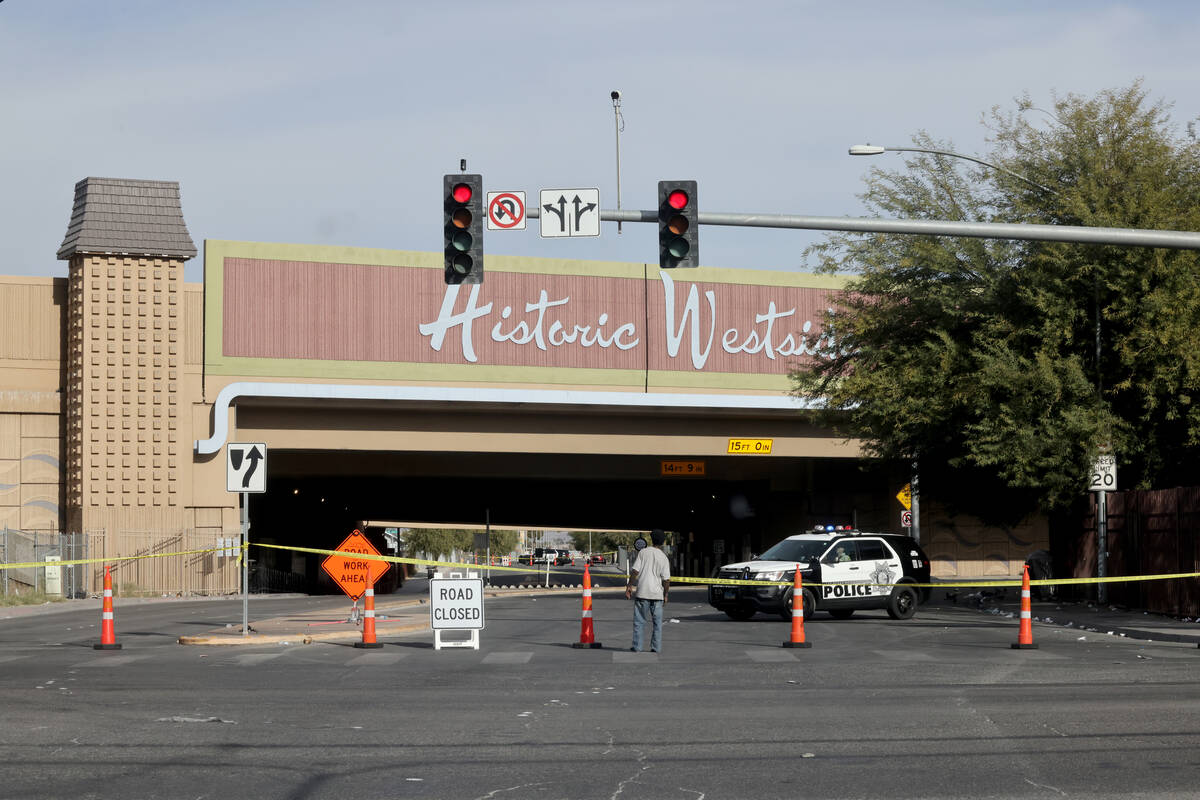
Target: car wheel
841	613
810	606
739	613
903	603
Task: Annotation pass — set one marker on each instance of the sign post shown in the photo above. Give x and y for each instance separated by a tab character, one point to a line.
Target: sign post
1104	480
245	474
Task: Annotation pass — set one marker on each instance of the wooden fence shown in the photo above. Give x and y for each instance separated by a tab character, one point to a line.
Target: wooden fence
1149	533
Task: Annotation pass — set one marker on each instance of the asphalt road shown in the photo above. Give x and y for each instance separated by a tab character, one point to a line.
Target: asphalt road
936	706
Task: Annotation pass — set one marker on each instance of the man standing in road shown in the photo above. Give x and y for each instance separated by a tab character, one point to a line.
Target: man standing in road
649	582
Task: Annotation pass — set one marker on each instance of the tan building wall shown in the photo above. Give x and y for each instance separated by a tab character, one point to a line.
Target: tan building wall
124	356
31	374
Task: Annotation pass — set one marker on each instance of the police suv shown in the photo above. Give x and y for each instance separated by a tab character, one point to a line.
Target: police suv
841	571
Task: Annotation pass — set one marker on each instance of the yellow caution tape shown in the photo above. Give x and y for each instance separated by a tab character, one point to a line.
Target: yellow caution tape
114	560
1006	583
955	585
398	559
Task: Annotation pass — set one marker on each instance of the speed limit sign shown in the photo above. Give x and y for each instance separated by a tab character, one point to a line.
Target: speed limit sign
1104	474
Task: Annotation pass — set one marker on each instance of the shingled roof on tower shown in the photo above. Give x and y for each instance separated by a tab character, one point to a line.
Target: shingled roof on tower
119	215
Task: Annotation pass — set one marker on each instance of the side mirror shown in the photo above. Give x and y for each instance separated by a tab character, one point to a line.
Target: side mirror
829	559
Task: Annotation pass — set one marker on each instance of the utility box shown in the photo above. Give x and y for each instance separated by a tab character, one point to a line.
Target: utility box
53	581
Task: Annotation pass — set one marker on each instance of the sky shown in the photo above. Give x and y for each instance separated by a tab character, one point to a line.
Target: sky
333	122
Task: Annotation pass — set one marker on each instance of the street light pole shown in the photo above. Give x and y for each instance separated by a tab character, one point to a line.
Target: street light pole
1101	505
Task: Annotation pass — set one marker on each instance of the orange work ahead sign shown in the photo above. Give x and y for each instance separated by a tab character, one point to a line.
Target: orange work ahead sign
355	575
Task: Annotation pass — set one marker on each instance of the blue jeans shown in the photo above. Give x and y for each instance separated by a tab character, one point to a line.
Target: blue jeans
641	610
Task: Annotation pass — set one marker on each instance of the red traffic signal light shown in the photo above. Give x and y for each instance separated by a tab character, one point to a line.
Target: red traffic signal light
462	228
678	231
677	199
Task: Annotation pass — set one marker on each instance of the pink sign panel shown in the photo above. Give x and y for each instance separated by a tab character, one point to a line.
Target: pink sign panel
351	312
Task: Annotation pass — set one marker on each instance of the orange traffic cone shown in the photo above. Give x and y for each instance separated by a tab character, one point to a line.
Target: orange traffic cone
587	636
1025	636
797	639
108	633
368	636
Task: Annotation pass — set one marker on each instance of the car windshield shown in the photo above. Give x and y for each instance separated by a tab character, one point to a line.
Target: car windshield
795	550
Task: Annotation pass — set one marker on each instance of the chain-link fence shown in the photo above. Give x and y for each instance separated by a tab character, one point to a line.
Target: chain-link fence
143	563
24	547
154	563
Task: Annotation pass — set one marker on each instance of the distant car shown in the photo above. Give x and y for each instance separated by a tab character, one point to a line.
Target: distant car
564	557
549	555
597	558
848	570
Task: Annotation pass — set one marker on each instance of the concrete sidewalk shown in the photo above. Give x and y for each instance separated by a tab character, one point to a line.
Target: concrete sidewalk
1088	617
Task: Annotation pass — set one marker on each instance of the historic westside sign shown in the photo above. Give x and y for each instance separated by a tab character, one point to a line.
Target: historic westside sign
355	575
617	317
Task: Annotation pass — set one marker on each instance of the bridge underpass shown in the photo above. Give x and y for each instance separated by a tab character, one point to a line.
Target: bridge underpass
740	505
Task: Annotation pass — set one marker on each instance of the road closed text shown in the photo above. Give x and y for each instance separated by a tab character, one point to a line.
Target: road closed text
455	614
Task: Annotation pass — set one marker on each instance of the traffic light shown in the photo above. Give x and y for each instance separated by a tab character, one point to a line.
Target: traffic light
678	227
463	227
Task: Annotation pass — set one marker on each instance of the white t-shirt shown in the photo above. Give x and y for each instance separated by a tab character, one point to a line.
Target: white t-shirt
652	569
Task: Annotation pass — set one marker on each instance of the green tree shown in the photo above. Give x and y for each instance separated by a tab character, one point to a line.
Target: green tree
979	357
502	542
436	542
606	541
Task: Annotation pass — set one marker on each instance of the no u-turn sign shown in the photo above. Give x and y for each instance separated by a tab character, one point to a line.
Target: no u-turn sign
506	211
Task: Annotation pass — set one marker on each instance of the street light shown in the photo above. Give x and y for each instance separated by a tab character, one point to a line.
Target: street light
874	150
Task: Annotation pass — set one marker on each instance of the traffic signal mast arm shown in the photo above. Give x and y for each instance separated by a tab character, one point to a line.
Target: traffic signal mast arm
1123	237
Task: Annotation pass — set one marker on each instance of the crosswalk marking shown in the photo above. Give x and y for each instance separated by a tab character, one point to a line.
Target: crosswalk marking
904	655
110	661
507	658
375	659
254	659
769	656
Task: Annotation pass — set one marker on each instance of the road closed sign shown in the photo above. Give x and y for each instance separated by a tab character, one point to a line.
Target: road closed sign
456	603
